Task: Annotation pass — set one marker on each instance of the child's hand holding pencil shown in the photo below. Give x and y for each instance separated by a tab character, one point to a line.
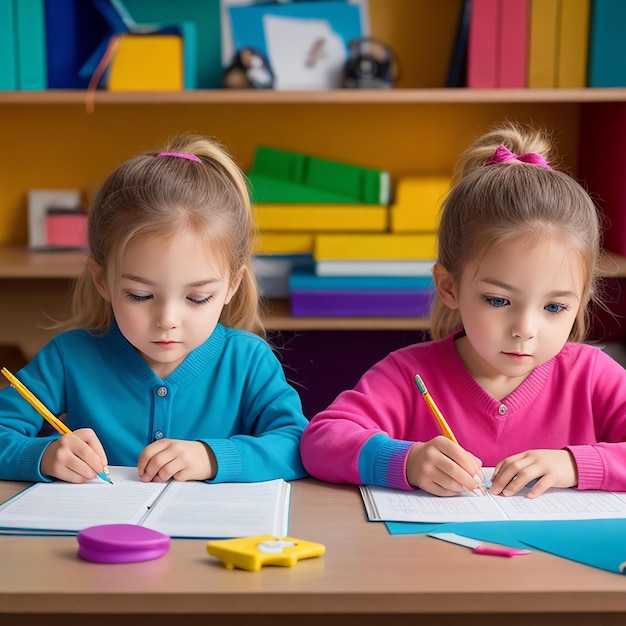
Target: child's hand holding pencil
441	466
75	458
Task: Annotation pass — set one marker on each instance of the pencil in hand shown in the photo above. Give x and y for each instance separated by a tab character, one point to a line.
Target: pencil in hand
43	410
445	429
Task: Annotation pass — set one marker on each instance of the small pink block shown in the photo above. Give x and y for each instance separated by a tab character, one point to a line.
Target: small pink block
66	229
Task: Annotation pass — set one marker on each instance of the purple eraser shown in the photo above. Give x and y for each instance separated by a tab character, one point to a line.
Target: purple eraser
121	543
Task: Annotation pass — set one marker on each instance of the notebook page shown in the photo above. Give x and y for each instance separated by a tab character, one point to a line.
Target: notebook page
383	504
71	507
392	505
223	510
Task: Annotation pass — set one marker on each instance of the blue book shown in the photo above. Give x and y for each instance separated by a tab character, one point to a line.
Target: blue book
304	278
30	21
74	28
458	63
8	61
607	44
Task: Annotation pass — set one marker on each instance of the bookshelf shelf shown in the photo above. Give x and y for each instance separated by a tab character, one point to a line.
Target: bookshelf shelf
332	96
46	277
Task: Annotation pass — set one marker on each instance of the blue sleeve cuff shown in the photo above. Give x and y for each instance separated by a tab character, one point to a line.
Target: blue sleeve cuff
229	462
382	462
28	466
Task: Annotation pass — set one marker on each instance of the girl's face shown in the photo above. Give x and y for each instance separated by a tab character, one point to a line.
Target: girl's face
169	297
518	306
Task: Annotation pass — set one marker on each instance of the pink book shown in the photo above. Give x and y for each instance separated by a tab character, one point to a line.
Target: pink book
482	47
513	43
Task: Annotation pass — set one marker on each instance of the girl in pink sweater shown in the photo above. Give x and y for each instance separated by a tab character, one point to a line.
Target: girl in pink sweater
519	246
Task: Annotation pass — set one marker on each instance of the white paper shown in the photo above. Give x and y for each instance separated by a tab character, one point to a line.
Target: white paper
304	54
395	505
179	509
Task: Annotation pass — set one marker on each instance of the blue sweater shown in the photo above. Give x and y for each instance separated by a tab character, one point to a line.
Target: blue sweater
230	393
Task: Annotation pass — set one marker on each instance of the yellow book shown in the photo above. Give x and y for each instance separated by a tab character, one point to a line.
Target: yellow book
375	247
321	217
418	203
543	46
270	242
573	43
147	63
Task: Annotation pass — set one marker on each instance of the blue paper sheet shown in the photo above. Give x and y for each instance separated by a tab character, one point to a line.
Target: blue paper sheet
598	543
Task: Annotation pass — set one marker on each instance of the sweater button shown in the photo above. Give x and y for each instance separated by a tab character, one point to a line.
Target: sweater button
162	392
502	409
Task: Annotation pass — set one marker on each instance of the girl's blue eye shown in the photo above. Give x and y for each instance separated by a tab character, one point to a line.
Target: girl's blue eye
496	302
554	308
135	298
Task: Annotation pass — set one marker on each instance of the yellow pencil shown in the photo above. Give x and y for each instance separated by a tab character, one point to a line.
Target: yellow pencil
445	429
54	421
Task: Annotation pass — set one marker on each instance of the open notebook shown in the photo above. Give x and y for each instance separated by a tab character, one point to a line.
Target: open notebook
394	505
179	509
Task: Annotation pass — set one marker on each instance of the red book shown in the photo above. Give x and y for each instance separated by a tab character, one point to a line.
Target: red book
513	43
482	47
602	165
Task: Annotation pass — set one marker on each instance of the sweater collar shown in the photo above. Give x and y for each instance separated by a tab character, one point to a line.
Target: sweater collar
124	356
520	397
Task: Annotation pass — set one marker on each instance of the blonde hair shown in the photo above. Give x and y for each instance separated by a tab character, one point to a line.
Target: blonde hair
151	196
488	206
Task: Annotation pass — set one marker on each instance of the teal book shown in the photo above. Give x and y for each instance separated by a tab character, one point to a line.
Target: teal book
607	44
8	62
32	66
281	176
304	278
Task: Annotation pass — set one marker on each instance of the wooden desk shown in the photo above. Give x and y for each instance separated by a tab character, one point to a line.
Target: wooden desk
366	577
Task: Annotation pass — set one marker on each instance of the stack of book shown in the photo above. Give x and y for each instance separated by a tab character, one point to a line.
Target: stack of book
334	243
296	197
376	274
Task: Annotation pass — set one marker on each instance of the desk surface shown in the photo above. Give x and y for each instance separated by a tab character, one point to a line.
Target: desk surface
365	571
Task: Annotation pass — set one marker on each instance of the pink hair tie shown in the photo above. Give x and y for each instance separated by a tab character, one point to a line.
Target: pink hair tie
180	155
503	155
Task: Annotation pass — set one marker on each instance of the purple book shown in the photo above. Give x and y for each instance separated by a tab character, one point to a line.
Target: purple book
396	303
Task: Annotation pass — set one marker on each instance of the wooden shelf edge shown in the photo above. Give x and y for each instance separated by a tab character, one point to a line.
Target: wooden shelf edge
278	317
18	263
329	96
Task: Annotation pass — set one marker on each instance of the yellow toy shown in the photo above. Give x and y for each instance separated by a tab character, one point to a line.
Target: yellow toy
252	553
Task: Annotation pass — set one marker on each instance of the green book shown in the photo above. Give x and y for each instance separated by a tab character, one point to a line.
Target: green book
281	176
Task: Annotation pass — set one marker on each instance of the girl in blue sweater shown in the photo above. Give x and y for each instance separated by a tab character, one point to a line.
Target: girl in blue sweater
164	363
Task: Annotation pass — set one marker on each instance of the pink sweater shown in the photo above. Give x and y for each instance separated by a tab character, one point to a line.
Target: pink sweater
576	401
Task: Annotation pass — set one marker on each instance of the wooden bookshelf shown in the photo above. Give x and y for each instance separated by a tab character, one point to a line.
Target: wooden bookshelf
417	128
